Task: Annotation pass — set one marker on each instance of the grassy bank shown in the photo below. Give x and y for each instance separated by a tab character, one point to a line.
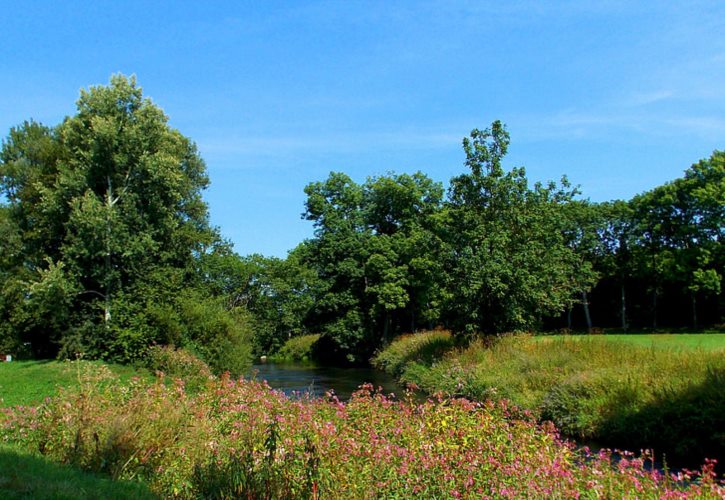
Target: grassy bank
237	438
300	348
26	475
30	382
630	391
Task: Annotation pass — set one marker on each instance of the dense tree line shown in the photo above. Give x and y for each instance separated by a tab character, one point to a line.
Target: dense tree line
493	254
106	249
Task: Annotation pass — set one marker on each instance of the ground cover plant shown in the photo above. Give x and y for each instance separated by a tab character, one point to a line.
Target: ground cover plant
239	438
706	341
592	387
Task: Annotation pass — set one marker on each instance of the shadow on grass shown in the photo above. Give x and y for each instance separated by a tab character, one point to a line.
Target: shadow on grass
686	426
422	349
27	476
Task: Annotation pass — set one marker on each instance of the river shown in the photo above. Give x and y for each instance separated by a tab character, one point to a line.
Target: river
296	378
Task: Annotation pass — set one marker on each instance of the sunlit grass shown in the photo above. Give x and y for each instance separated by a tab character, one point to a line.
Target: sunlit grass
705	341
30	382
662	391
24	475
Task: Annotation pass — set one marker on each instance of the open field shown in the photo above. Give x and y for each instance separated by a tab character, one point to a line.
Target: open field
705	341
30	382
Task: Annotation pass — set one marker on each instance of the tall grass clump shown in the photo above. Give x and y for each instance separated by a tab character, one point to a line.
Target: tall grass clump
240	439
422	347
300	348
597	389
179	364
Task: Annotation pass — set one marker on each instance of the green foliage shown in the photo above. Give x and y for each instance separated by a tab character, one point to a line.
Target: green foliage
105	227
375	255
300	348
509	262
222	338
179	364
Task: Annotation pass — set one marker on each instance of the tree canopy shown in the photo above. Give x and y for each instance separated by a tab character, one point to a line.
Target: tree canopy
106	221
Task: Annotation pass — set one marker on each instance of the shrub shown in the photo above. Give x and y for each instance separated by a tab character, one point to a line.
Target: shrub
300	348
423	347
220	337
179	364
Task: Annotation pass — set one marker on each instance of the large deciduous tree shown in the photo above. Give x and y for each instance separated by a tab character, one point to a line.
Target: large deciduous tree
375	256
509	262
106	221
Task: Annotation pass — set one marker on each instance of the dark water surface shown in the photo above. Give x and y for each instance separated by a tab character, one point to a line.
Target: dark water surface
295	378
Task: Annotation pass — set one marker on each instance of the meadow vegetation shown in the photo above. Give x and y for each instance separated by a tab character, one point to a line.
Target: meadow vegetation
593	388
28	383
239	438
107	253
301	348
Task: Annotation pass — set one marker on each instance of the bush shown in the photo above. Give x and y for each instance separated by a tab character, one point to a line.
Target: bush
424	348
301	348
179	364
220	337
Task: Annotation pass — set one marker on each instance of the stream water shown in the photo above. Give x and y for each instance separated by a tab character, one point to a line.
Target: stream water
297	378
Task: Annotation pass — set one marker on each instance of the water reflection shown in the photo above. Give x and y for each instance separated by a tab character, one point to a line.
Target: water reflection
294	378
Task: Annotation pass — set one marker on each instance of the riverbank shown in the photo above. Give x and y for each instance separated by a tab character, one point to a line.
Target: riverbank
238	438
631	393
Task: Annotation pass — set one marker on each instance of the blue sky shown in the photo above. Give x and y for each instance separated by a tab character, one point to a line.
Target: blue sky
619	96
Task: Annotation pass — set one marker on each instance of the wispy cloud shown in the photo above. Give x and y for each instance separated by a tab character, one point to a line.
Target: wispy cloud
608	125
644	98
326	142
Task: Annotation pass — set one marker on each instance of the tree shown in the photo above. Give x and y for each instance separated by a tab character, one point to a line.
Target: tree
109	210
375	257
680	226
509	263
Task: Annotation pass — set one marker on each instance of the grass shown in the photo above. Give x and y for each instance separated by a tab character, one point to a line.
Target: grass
704	341
30	382
23	475
300	348
632	391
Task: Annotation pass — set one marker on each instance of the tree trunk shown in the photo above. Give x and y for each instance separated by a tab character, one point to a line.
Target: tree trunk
585	303
568	319
107	259
654	308
386	327
624	310
694	310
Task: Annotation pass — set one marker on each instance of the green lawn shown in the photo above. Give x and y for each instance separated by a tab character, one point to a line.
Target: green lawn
705	341
23	475
30	382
